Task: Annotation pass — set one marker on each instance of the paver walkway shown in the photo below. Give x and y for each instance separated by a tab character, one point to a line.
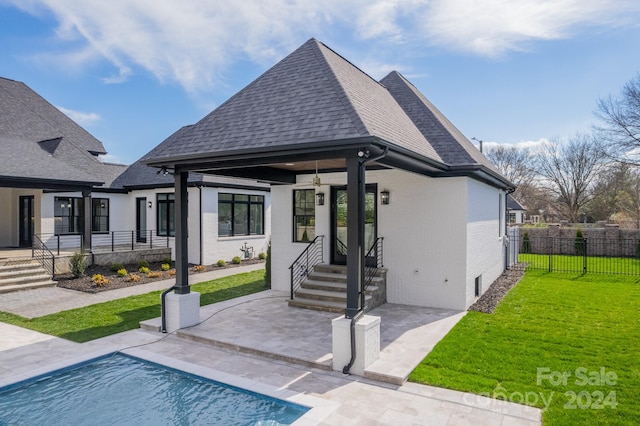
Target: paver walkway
45	301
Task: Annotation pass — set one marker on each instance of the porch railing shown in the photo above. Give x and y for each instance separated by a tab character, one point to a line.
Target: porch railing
44	256
312	255
108	241
373	261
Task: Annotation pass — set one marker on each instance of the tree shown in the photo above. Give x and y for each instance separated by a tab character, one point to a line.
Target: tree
516	164
620	117
617	195
568	171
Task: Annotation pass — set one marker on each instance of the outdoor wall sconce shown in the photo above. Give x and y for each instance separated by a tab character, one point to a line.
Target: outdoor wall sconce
320	199
384	197
150	204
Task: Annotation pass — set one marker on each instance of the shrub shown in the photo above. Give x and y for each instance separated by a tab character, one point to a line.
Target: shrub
78	264
526	243
166	260
154	274
132	278
121	272
221	263
144	269
262	255
165	266
199	268
100	280
580	243
171	272
143	264
267	267
115	267
236	260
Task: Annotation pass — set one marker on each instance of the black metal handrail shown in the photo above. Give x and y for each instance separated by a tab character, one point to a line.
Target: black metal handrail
341	247
373	261
44	256
106	241
312	255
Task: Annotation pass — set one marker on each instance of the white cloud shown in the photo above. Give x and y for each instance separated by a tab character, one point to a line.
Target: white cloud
533	146
82	118
195	41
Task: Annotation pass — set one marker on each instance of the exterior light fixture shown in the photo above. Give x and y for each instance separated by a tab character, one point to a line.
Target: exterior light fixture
384	197
150	203
320	199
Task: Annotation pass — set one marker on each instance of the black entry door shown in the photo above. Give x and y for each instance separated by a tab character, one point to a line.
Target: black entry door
141	219
26	221
339	222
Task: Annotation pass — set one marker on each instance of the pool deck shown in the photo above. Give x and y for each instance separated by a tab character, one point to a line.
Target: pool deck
257	342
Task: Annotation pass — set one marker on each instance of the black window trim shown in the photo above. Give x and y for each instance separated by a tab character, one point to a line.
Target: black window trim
248	203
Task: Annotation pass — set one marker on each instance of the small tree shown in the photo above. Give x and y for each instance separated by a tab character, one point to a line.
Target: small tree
267	267
526	243
78	264
580	243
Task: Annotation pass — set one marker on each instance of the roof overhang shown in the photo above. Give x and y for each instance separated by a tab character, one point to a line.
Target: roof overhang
38	183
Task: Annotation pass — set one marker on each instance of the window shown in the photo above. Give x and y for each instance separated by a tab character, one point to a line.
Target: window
512	218
304	215
166	215
240	214
100	215
68	215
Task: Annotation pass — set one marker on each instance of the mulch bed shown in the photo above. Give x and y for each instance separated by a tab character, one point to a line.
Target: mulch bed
500	287
86	284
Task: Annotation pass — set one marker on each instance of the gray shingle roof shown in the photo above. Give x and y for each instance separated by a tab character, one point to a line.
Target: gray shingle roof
312	95
452	146
513	204
40	142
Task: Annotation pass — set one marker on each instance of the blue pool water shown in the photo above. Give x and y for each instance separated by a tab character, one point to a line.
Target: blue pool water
122	390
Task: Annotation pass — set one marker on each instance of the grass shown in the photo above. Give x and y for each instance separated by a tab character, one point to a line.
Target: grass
576	324
595	264
103	319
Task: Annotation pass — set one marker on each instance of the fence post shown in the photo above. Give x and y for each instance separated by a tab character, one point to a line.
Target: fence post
584	256
550	250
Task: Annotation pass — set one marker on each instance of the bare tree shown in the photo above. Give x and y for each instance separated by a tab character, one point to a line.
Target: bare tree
620	118
617	195
517	165
568	171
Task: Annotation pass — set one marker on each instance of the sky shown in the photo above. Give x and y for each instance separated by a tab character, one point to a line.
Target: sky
132	73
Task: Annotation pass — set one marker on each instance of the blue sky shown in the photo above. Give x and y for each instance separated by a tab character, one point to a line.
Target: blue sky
134	72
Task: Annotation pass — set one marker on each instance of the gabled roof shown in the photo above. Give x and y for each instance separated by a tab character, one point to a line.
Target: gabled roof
43	147
139	175
513	204
311	96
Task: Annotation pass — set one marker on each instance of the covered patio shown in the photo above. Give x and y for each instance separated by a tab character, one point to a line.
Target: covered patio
263	324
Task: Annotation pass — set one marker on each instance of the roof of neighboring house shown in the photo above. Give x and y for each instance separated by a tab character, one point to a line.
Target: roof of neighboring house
313	100
139	175
513	204
41	144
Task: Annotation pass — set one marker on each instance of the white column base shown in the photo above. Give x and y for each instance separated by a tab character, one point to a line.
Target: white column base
367	334
182	310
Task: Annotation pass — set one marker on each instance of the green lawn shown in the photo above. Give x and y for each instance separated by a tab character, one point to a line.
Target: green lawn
576	325
595	264
104	319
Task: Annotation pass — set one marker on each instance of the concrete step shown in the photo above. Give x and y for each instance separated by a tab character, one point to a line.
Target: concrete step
21	272
29	279
327	276
12	265
332	286
19	287
318	305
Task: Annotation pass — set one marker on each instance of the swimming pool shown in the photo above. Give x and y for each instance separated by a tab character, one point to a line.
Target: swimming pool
121	389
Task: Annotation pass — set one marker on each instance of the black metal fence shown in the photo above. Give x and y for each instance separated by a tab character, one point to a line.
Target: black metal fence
580	255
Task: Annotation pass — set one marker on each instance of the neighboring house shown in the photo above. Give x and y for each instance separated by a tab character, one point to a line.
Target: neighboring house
50	171
515	212
354	159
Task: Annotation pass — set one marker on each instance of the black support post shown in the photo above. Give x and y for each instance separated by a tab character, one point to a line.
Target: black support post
182	255
355	233
86	232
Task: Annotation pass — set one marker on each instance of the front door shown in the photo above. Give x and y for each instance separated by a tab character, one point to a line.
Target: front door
141	219
339	222
26	221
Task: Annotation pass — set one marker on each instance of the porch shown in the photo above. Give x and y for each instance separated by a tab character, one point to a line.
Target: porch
264	325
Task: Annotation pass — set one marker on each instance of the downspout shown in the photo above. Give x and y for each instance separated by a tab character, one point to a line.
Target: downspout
163	296
356	317
201	234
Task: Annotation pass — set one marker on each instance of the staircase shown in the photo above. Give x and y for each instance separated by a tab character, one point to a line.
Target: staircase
23	274
325	289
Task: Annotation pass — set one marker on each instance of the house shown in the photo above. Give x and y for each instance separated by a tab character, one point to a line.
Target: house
515	212
51	170
371	166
